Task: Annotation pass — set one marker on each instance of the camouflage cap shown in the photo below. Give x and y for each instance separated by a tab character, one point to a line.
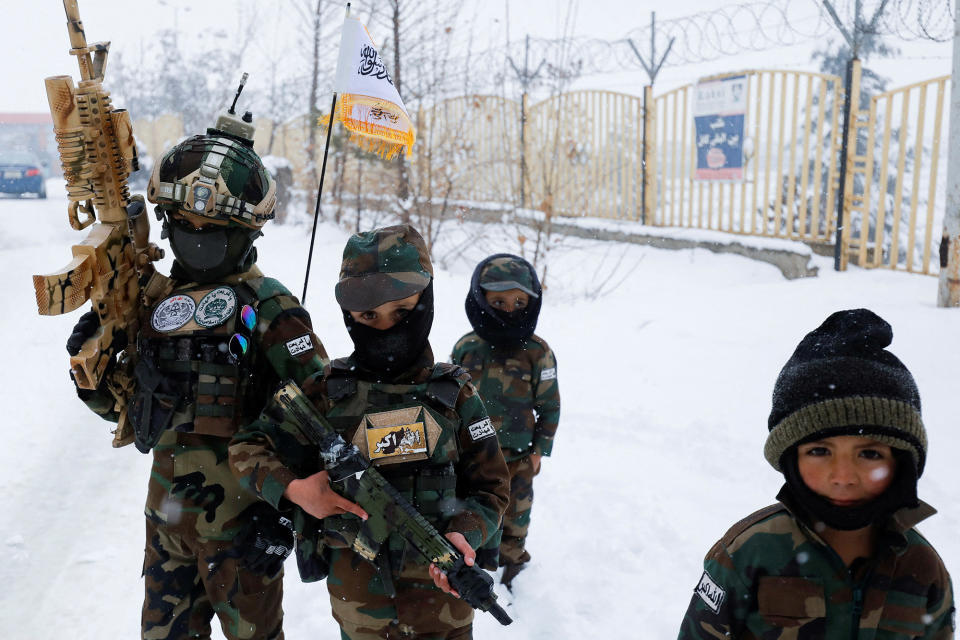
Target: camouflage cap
502	274
382	265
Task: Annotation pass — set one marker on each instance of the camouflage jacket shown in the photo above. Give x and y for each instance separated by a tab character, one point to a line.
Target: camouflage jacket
771	576
267	455
191	486
519	387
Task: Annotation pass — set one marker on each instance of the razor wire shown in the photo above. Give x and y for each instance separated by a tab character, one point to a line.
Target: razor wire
734	30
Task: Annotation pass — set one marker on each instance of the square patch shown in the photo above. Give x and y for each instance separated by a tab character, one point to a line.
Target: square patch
399	440
710	592
481	429
300	345
549	374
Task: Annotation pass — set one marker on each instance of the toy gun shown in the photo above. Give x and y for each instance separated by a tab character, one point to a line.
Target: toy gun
113	263
354	478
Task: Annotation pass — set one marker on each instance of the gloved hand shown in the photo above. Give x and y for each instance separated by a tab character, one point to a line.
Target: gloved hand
86	326
266	539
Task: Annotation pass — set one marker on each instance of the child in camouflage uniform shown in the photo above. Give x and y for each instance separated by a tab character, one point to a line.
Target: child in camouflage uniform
421	423
217	339
516	374
838	556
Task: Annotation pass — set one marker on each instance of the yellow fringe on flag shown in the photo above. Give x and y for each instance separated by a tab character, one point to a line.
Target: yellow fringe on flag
375	125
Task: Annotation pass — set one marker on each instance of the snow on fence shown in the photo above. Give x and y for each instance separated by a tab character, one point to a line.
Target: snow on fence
583	154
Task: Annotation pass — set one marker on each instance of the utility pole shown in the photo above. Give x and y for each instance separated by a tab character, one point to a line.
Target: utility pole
948	292
526	78
646	162
854	38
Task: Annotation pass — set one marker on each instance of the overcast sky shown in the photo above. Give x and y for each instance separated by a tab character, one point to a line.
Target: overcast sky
34	38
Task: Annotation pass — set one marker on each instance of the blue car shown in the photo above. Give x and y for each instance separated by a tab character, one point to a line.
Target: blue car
21	172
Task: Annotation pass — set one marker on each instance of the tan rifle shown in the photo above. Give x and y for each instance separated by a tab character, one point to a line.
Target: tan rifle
113	264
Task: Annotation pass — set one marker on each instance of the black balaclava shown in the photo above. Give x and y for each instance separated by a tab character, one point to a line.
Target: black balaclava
902	492
499	327
211	253
392	351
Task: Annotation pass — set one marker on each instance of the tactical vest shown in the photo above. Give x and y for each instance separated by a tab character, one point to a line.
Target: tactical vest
188	379
409	432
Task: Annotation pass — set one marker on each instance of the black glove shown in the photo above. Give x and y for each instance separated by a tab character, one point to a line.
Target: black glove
86	326
266	539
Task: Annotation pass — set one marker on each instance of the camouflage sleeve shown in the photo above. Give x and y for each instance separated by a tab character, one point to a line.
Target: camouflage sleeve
288	350
941	611
720	601
483	482
256	462
546	402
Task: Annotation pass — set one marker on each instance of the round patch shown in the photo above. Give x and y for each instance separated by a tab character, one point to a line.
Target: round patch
173	313
216	307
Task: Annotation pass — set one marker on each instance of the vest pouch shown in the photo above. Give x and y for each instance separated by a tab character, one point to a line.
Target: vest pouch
153	405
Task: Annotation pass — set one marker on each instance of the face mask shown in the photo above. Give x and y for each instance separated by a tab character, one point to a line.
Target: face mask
501	327
392	351
902	492
212	253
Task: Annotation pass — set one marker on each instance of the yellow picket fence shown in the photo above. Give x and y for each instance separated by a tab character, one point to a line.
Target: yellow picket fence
791	156
601	154
898	172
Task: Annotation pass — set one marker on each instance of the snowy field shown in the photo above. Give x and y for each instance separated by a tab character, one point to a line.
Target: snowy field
666	382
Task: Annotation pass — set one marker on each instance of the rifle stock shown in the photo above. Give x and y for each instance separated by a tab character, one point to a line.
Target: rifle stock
113	263
354	478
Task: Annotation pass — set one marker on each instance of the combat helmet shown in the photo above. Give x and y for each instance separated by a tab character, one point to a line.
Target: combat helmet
213	195
215	178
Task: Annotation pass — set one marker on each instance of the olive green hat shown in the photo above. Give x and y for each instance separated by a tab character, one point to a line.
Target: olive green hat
382	265
508	272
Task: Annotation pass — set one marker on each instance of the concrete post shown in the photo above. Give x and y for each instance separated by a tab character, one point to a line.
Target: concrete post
948	292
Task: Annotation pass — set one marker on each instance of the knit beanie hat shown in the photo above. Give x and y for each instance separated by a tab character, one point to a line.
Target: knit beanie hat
841	380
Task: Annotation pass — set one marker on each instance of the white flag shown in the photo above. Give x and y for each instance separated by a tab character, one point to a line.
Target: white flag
370	107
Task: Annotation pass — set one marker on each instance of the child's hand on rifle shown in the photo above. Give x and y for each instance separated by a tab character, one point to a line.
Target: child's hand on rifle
439	577
315	496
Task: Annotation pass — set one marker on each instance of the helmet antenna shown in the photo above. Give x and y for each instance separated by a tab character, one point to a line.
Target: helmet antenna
243	81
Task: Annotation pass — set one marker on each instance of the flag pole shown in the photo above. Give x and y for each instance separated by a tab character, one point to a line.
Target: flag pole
323	172
316	209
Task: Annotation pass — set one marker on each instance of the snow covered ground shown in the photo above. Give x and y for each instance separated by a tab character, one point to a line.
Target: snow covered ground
666	385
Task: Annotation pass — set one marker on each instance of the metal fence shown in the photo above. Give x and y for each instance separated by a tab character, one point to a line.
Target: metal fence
899	175
791	146
601	154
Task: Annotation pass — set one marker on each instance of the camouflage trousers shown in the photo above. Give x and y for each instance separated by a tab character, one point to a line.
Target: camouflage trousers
419	611
516	519
187	581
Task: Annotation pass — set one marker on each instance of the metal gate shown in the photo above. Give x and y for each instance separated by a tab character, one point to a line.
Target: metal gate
898	179
792	129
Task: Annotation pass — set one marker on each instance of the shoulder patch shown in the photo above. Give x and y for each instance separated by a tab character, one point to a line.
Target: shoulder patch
173	313
300	345
481	429
548	374
710	592
216	307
